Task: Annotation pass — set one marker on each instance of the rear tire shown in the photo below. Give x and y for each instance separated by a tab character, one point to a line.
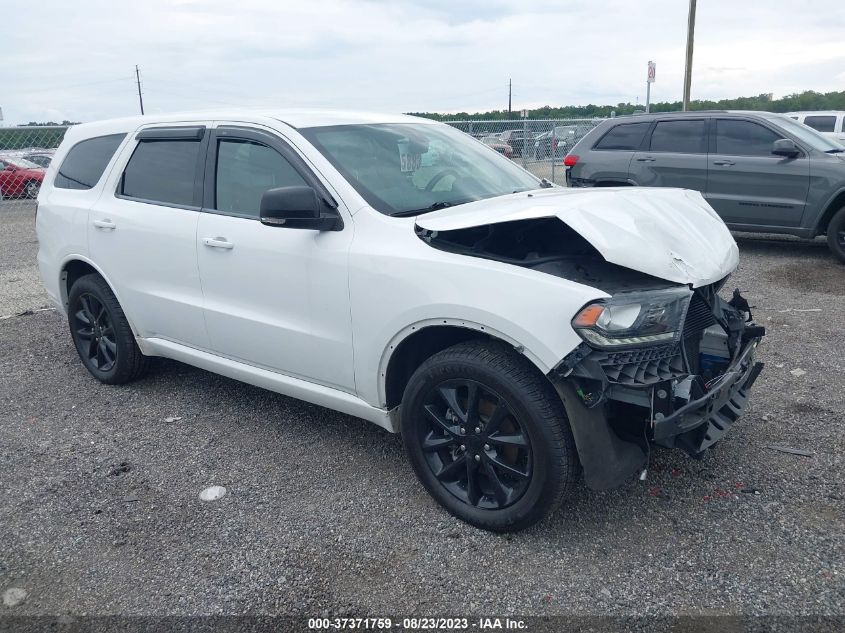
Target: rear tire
488	436
31	189
101	333
836	235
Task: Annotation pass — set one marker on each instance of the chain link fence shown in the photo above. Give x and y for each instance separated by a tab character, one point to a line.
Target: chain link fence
538	145
25	153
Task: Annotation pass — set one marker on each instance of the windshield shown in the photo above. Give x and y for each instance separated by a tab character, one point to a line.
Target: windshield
806	134
409	168
20	163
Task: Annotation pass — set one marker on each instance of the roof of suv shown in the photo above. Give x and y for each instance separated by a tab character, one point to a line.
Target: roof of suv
296	118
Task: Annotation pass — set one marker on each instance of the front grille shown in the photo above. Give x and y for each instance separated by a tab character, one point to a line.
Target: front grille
645	366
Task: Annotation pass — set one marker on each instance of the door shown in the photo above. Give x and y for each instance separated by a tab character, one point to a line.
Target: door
275	297
747	184
142	233
676	156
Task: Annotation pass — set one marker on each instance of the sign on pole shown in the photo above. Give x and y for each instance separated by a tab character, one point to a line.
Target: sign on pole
652	67
524	114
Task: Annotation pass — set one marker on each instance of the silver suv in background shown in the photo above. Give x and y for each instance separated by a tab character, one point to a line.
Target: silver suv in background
760	171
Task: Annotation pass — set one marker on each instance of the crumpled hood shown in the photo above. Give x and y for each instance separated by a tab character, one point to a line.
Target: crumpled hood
672	234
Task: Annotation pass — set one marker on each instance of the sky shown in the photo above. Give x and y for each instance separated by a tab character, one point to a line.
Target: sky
76	61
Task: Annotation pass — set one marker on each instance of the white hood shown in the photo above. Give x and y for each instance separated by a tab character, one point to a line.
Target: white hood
672	234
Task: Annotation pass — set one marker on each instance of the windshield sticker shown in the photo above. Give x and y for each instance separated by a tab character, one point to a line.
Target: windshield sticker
408	161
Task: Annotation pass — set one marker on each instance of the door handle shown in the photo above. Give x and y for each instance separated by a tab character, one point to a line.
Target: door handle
647	159
106	225
218	242
724	163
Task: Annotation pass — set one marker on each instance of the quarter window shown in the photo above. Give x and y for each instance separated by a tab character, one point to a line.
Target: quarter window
86	161
821	123
682	137
245	170
627	136
743	138
162	171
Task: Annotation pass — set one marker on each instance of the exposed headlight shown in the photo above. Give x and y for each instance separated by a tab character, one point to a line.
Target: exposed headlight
634	318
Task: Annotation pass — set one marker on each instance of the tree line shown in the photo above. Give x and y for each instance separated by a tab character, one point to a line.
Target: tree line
807	100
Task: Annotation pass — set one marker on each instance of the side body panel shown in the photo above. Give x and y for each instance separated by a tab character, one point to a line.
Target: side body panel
398	283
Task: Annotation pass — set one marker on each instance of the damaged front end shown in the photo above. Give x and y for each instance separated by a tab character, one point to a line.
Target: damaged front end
672	367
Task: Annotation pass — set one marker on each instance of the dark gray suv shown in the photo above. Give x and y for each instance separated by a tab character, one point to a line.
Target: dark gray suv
760	171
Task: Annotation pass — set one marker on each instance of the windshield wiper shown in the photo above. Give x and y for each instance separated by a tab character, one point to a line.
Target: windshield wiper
410	212
835	150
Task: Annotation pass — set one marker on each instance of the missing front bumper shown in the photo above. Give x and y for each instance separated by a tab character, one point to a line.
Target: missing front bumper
618	403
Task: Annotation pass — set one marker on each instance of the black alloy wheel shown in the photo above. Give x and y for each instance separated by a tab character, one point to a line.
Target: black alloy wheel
94	329
102	334
488	436
474	444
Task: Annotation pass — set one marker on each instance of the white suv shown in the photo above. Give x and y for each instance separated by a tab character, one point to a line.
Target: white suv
397	270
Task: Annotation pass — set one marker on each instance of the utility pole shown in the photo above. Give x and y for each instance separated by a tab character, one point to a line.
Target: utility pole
509	98
138	79
690	36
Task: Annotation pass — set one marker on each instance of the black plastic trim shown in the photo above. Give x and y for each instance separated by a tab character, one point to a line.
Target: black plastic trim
184	133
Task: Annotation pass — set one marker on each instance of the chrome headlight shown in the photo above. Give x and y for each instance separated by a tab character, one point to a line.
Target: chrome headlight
634	318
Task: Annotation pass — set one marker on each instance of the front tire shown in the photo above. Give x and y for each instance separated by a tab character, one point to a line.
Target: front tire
836	235
488	436
101	333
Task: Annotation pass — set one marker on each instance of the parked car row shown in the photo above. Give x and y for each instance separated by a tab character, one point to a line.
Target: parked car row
759	171
19	177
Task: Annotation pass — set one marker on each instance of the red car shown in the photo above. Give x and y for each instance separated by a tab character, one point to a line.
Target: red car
19	178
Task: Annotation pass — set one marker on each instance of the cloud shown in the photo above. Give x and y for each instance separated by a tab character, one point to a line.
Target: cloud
435	55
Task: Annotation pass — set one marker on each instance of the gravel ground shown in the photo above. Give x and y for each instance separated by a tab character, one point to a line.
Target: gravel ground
322	514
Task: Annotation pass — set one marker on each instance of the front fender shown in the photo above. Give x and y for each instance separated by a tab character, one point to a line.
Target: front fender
539	360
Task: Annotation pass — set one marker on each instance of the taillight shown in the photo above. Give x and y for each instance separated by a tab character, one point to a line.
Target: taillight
570	160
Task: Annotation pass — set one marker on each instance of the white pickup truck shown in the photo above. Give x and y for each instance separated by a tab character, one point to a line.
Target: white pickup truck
831	123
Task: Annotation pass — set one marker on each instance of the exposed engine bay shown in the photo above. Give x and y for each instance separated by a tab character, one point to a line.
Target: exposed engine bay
546	245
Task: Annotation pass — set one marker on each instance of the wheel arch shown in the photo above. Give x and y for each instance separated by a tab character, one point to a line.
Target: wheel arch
76	266
416	343
836	202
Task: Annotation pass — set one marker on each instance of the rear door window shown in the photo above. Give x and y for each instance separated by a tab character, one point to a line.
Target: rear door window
826	123
743	138
162	171
626	136
86	161
680	137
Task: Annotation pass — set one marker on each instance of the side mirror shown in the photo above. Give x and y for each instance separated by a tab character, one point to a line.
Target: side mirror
295	208
785	147
9	167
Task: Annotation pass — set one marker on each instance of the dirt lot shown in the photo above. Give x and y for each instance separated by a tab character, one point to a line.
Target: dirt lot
100	485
